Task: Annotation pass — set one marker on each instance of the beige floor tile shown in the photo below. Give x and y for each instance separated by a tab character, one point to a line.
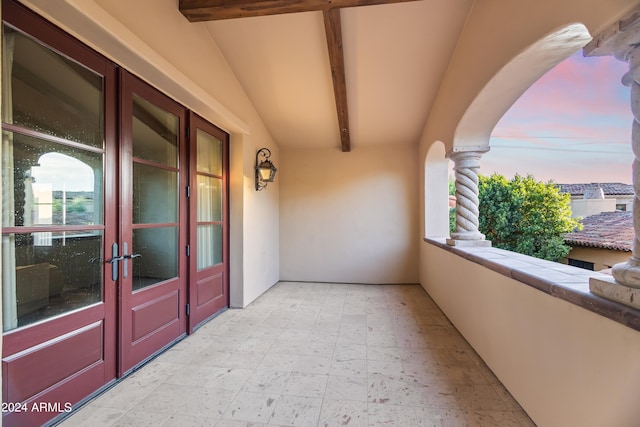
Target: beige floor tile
305	385
252	407
94	416
384	415
312	365
349	351
138	418
230	379
296	411
270	382
349	368
307	354
238	423
278	362
348	388
336	413
182	420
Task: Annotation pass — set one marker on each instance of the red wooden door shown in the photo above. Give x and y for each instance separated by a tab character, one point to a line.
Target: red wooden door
58	157
209	286
153	212
96	232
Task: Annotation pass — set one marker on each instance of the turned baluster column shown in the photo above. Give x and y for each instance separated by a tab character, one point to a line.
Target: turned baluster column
467	164
628	273
622	40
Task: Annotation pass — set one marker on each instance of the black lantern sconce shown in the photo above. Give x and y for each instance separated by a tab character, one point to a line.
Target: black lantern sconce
265	170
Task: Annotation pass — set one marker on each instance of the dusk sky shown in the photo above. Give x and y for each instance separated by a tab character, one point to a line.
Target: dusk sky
572	126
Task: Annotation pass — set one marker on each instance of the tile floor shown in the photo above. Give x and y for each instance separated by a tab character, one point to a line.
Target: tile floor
308	354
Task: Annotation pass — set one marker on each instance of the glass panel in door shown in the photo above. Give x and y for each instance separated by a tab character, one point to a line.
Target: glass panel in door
155	194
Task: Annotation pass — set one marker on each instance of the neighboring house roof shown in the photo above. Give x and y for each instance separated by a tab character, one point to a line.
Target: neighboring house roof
609	188
607	230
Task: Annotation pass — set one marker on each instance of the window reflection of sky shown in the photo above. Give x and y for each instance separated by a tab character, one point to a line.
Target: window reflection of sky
63	172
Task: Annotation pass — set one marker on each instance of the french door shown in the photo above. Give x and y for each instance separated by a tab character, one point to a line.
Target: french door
59	151
114	220
209	290
153	217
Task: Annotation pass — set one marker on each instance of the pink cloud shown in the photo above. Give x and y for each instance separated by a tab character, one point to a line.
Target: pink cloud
574	123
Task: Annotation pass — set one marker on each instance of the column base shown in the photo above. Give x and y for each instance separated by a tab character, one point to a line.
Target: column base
469	243
628	273
610	289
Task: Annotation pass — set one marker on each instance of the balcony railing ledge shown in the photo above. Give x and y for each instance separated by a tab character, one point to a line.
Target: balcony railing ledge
558	280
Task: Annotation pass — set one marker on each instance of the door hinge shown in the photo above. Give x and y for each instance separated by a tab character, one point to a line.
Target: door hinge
188	309
188	191
188	250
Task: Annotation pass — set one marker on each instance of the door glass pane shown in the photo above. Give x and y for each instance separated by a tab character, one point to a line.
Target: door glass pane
46	274
209	154
49	184
155	133
50	93
209	245
209	199
155	195
158	262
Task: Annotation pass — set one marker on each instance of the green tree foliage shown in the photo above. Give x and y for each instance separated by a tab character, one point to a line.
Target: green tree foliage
525	216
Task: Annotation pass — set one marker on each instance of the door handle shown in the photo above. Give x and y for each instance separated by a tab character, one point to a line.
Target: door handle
127	257
114	261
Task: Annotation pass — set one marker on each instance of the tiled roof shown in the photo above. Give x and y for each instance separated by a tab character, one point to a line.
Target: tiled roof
607	230
609	188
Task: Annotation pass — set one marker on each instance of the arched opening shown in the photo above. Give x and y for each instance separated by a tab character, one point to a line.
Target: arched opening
472	135
513	80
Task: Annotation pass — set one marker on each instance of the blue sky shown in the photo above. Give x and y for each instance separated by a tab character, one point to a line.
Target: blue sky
571	126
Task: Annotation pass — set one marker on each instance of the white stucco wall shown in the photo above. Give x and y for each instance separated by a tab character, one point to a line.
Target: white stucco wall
565	365
586	207
349	217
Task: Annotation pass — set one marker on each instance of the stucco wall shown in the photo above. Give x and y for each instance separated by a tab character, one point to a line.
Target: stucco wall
349	217
565	365
601	258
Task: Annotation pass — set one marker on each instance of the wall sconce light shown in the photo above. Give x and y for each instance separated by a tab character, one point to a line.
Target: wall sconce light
265	170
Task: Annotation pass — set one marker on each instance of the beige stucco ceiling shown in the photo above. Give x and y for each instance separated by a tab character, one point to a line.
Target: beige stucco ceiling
395	58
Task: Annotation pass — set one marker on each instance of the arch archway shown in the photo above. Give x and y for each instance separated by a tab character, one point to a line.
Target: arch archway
499	94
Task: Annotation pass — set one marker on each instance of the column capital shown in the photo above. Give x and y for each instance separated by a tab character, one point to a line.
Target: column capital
462	151
619	39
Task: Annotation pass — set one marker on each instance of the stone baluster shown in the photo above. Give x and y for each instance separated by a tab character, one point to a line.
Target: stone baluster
467	163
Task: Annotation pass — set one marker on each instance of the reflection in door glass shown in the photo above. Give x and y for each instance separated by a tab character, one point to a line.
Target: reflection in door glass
209	156
209	198
155	195
53	273
155	133
158	260
50	183
209	245
50	93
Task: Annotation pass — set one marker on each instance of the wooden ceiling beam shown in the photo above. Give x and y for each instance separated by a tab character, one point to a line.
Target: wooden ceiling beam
333	29
213	10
